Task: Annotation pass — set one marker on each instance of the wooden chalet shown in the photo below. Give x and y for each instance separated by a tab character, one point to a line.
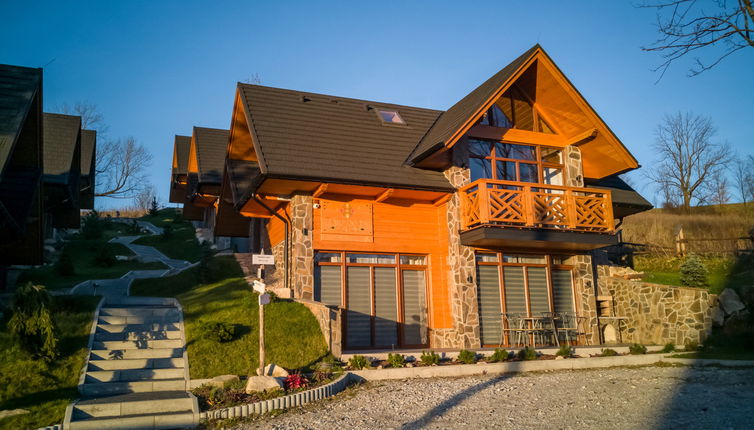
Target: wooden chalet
87	181
424	228
62	170
21	161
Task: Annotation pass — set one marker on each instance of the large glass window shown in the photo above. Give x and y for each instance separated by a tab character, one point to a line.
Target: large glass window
513	162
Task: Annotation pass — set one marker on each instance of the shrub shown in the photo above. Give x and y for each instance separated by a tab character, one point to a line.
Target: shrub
295	381
693	272
323	371
167	232
92	226
218	331
396	360
527	354
429	358
153	207
692	346
31	323
105	257
637	349
466	357
499	355
669	347
205	271
133	227
565	351
358	362
607	352
64	265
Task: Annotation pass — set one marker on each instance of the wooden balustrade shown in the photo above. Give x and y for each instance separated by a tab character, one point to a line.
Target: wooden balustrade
521	204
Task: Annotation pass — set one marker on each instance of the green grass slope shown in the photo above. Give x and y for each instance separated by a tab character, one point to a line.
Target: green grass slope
182	245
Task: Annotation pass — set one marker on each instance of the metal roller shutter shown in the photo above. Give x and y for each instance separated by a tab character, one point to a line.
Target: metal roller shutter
562	291
538	295
358	320
385	304
414	308
327	285
515	296
488	298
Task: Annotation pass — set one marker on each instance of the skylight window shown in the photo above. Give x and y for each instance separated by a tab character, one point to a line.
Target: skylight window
390	117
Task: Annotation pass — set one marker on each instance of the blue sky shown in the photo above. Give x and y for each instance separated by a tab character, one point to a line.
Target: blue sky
156	68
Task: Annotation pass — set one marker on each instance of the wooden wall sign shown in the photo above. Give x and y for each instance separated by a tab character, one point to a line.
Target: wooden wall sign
346	221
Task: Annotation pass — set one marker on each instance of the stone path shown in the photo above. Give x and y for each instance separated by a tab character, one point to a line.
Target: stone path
615	398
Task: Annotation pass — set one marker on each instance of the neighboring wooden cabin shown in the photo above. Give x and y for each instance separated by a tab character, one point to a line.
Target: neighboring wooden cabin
87	180
62	170
421	227
21	217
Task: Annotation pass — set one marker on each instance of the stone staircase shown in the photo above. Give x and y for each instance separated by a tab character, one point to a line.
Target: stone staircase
136	376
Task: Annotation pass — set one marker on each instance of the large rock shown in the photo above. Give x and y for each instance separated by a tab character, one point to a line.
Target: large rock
274	370
718	317
730	302
223	380
257	384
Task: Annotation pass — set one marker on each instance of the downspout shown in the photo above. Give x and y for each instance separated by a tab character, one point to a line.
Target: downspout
285	243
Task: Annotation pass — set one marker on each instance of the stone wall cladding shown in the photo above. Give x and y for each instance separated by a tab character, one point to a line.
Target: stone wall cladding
573	168
462	279
274	276
659	314
302	251
584	291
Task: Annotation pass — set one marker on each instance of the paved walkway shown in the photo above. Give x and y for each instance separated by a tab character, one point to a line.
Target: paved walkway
119	287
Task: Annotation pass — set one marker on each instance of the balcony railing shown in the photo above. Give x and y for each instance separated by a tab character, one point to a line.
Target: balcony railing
489	202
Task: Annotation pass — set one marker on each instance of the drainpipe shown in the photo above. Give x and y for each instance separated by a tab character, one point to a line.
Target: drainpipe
285	245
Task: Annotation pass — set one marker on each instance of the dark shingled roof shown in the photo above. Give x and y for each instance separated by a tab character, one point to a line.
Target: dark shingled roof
452	119
319	137
88	148
18	85
182	147
626	200
211	145
61	133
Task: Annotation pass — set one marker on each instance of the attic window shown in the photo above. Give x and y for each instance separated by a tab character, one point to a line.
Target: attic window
390	117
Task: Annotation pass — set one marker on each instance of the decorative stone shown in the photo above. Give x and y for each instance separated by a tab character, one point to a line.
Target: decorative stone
730	302
223	380
258	384
274	370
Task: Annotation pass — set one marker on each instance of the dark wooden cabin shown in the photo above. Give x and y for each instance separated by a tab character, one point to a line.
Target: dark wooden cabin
62	171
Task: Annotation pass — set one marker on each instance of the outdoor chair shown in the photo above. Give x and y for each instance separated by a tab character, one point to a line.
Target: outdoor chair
548	327
516	327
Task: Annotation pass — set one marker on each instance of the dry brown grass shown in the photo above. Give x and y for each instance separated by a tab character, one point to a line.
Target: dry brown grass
702	228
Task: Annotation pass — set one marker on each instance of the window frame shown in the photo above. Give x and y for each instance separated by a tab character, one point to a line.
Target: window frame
538	161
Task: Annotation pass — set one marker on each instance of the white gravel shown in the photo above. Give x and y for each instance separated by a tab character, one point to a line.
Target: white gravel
618	398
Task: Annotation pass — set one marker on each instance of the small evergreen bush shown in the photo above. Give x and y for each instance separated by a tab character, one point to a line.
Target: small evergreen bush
92	226
167	232
565	351
396	360
64	265
607	352
218	331
499	355
466	357
31	323
527	354
205	271
429	358
637	349
358	362
133	227
105	257
669	347
153	207
693	272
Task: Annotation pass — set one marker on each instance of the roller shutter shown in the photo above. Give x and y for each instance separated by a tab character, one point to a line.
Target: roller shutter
488	298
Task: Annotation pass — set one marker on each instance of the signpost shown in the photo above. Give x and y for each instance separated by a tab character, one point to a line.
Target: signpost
264	299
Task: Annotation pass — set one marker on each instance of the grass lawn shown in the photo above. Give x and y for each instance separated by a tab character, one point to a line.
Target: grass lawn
723	272
293	339
45	389
83	252
182	245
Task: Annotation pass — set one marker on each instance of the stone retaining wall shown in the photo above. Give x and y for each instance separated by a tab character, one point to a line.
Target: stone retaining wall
330	323
656	313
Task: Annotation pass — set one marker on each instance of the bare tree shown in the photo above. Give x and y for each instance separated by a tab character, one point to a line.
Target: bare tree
743	176
144	198
718	188
687	26
688	158
91	117
121	168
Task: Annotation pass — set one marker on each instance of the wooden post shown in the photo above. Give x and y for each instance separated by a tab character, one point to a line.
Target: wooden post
528	205
261	338
680	242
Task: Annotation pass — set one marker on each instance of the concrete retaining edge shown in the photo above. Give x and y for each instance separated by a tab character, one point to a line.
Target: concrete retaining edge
286	402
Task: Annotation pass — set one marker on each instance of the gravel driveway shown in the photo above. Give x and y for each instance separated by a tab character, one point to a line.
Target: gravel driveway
618	398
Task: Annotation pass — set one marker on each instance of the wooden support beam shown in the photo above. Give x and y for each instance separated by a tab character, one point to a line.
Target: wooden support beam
517	136
320	190
385	195
582	138
441	200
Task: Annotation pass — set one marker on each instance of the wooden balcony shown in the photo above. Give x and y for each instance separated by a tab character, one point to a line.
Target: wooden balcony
494	203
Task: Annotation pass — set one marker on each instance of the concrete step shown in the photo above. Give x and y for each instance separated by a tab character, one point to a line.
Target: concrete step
110	388
145	363
133	404
127	375
131	354
155	311
138	344
121	328
175	420
119	320
137	334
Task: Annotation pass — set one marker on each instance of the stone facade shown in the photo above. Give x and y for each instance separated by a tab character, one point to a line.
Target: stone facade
583	285
330	323
462	276
658	314
574	173
302	251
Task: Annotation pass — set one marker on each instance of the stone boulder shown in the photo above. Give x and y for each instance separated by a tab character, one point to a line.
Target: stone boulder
718	316
223	380
258	384
730	302
274	370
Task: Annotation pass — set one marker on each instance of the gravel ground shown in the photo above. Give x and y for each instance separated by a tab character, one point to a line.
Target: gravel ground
617	398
